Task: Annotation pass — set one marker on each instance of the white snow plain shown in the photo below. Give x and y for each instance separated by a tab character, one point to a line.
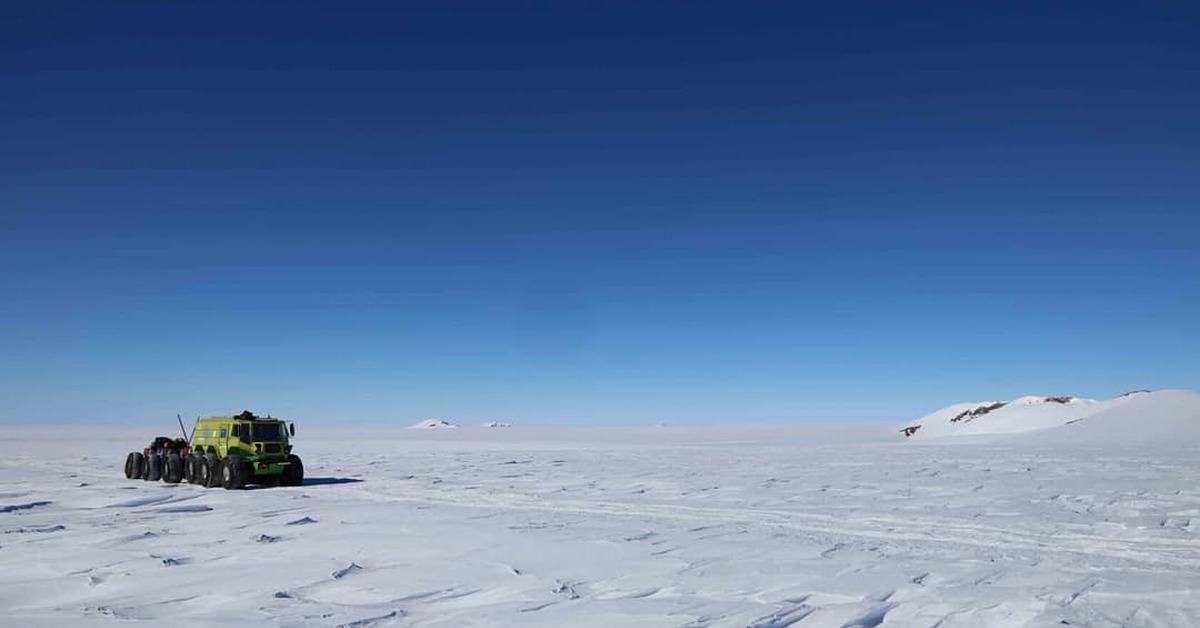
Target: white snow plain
761	527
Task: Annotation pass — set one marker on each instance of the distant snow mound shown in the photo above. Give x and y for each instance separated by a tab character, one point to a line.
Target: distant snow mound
1163	414
433	423
497	424
1004	417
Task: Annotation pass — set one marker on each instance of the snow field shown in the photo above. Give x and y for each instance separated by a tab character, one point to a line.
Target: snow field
695	527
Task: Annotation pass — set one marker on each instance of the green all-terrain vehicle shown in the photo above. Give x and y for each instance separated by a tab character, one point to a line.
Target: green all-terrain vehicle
228	451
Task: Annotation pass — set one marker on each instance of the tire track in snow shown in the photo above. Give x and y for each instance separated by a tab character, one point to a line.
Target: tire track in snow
1181	554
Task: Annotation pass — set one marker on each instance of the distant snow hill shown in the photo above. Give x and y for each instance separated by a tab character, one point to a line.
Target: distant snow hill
432	423
497	424
1141	415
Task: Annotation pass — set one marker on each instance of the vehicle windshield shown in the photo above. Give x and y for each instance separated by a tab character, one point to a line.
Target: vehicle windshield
267	431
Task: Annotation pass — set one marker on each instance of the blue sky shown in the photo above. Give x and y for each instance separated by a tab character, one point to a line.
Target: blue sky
593	213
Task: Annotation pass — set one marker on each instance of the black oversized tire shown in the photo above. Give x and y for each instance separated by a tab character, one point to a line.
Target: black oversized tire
200	472
211	470
233	473
189	469
155	470
173	469
133	466
145	467
293	474
199	475
194	462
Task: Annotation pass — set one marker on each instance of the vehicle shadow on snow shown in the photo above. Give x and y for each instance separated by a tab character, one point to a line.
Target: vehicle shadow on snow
325	481
308	482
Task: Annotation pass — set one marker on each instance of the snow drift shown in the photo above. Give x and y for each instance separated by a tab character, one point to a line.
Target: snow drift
1167	416
433	423
1163	414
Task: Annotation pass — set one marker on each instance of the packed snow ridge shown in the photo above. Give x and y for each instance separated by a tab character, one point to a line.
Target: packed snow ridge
1130	416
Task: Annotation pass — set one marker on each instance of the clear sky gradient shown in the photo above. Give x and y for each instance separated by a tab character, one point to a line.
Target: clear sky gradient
593	213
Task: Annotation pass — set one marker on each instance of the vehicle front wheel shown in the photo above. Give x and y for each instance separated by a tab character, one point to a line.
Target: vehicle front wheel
233	473
293	474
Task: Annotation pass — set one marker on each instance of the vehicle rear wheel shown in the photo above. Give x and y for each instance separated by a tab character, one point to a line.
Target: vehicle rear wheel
133	467
293	474
173	469
155	468
212	470
145	475
233	473
189	469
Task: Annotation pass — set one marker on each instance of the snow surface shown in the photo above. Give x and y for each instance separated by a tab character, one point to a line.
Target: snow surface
1090	524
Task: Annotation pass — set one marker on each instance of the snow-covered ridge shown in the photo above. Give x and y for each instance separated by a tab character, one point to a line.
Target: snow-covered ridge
432	423
1130	414
442	423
